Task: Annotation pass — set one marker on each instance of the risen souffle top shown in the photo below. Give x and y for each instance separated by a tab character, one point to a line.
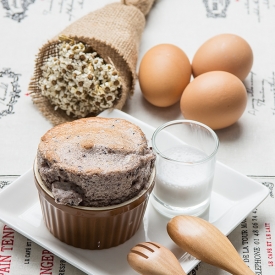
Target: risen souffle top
95	161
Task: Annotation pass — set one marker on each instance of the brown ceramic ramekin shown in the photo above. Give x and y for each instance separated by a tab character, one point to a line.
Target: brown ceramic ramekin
92	227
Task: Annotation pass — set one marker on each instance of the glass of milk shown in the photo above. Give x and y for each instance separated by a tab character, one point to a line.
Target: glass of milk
185	165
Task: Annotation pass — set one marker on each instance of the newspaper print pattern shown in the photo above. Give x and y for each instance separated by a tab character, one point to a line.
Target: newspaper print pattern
16	10
9	91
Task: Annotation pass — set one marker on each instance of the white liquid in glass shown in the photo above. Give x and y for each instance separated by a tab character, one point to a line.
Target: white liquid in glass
184	186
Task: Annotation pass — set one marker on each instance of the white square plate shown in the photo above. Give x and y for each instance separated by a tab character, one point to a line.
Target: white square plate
234	197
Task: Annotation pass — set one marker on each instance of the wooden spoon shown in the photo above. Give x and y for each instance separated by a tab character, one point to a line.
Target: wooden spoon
207	243
151	258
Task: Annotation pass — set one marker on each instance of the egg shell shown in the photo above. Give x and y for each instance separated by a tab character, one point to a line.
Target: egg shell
217	99
164	72
224	52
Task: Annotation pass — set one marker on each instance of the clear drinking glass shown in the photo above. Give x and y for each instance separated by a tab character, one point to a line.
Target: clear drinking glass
185	165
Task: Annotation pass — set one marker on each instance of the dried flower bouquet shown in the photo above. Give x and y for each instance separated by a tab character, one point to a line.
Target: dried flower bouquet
79	82
91	65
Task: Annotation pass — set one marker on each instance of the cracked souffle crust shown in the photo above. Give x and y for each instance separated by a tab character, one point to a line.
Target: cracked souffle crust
95	161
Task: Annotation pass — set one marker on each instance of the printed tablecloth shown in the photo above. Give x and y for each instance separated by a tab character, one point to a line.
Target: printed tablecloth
247	146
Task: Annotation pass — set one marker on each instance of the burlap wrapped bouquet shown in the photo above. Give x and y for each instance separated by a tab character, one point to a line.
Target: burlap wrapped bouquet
91	65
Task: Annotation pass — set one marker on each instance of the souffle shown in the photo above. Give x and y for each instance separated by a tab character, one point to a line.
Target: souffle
95	161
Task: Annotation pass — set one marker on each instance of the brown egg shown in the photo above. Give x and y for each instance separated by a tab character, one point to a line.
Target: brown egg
224	52
164	72
217	99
